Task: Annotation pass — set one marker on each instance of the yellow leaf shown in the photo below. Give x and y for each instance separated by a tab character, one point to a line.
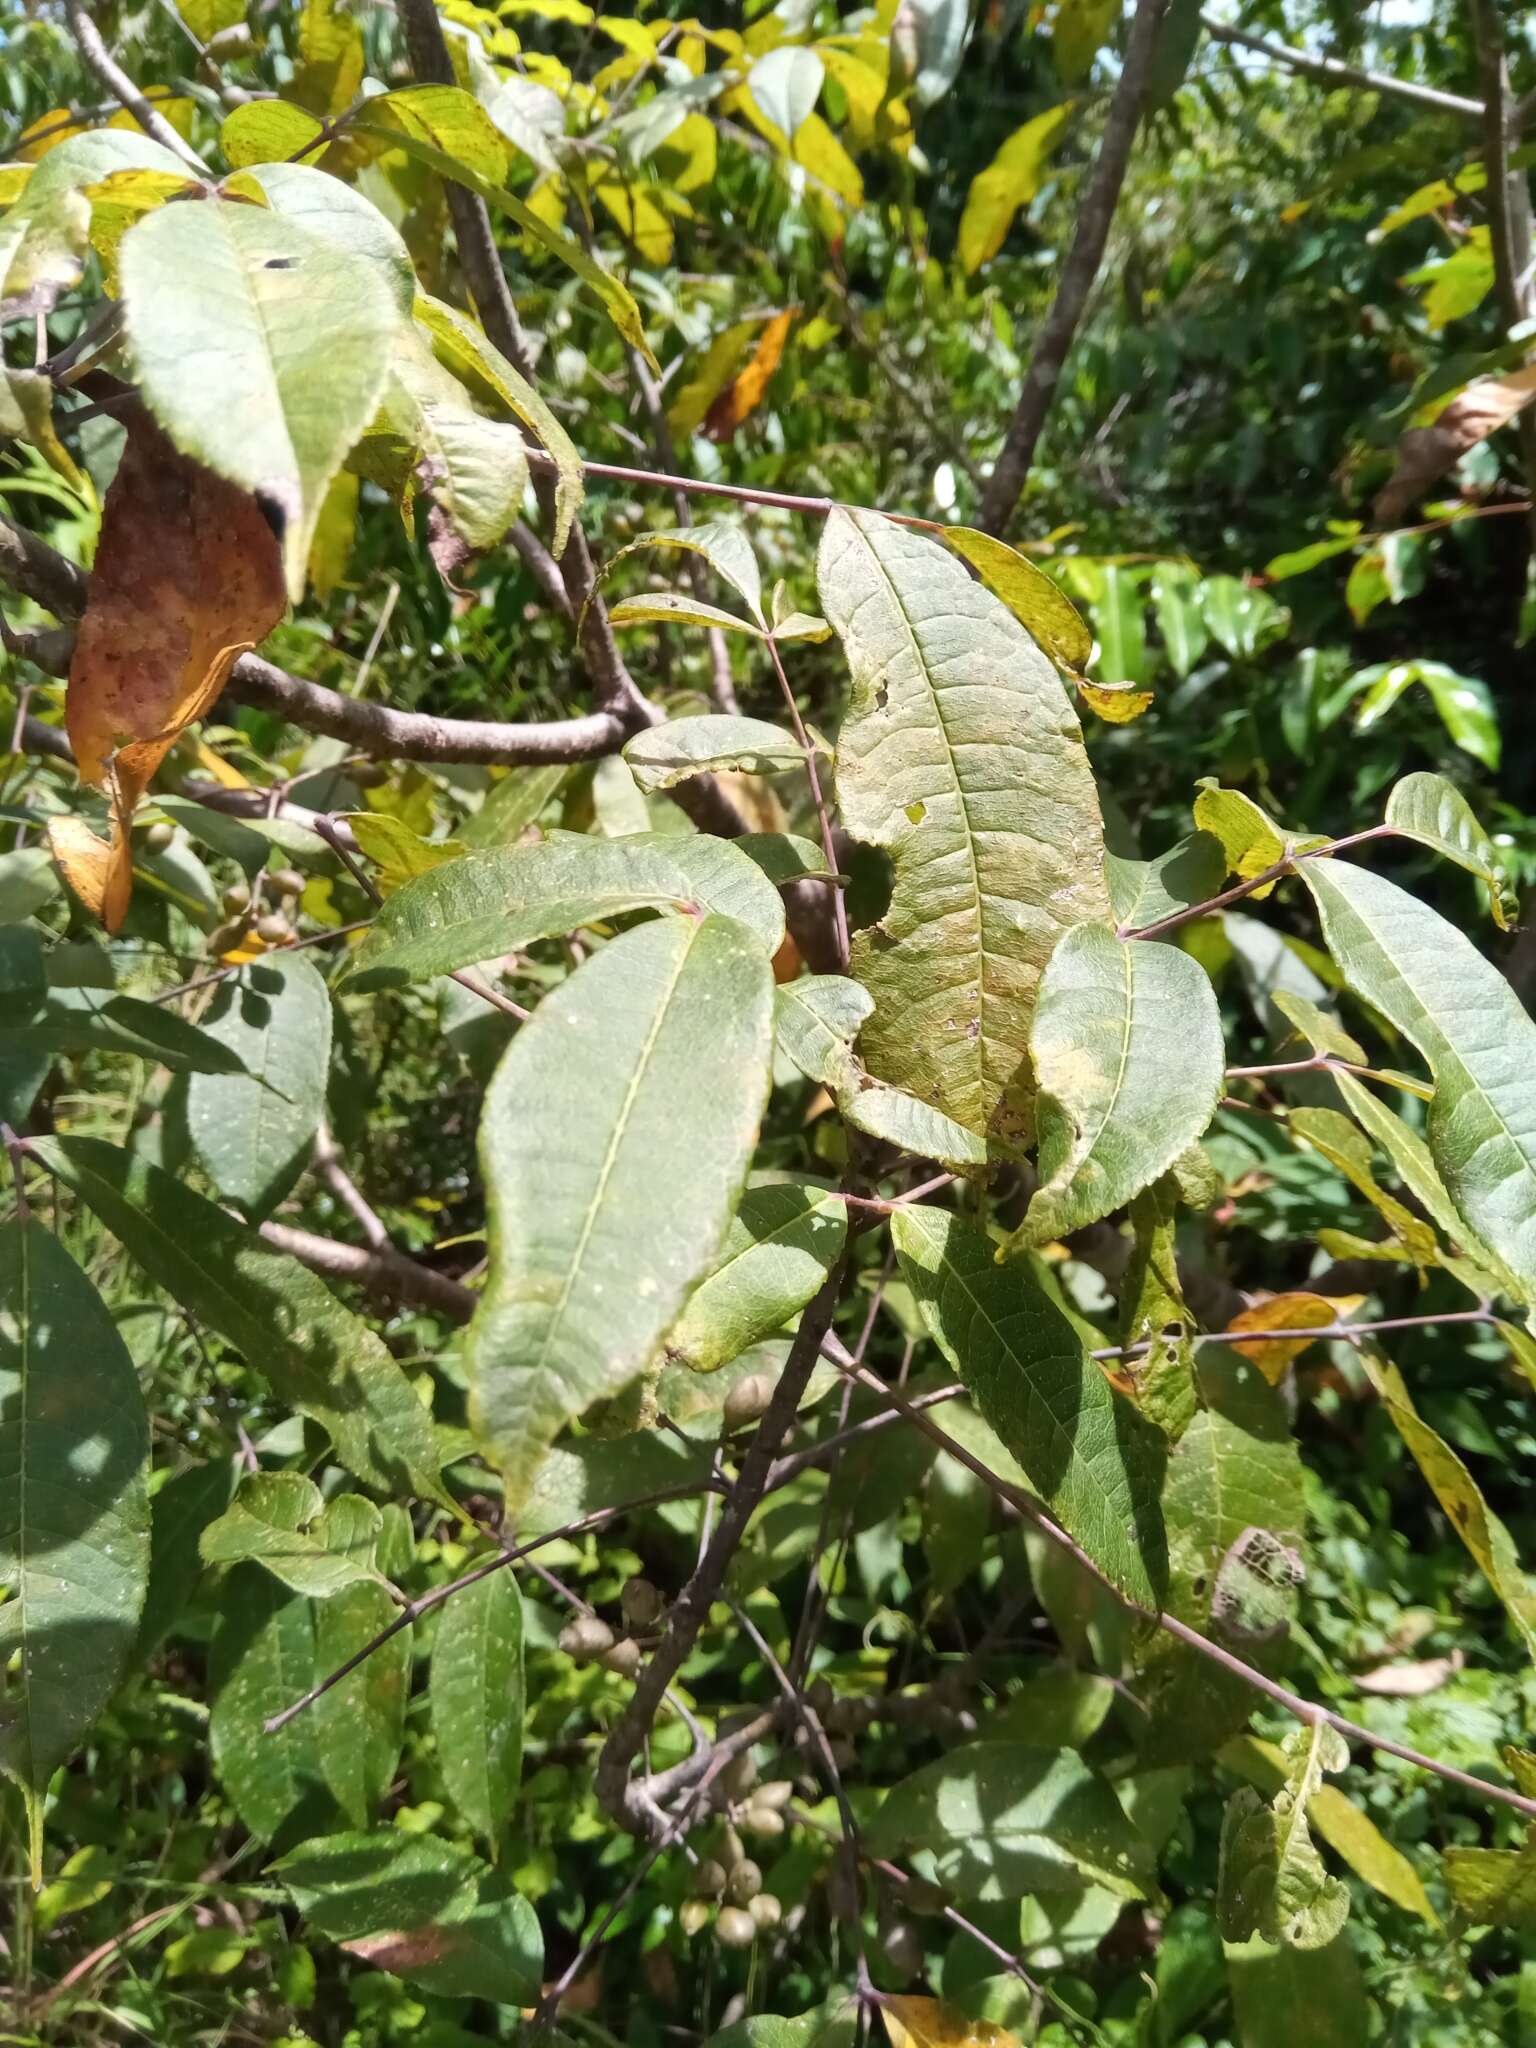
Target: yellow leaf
1078	33
330	70
1036	600
399	853
690	153
1010	181
929	2023
744	395
101	875
118	201
1298	1311
711	375
1115	703
818	151
13	182
641	221
331	548
47	132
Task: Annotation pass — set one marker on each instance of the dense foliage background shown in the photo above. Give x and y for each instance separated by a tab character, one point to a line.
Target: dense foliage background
1296	276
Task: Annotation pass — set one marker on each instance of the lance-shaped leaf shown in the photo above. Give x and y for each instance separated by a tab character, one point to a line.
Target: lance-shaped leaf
1272	1879
421	1909
1094	1462
293	335
1001	1819
672	608
1435	813
360	1721
279	1519
290	1328
254	1131
261	1659
961	756
478	1700
1479	1528
780	1247
74	1509
182	1508
463	348
615	1140
1281	1996
495	901
665	755
1010	181
1495	1887
1431	982
1129	1059
1161	1380
100	1020
724	547
1039	604
1331	1133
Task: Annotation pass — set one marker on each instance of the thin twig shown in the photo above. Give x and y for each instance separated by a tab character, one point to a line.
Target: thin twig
1273	873
823	819
1328	71
98	58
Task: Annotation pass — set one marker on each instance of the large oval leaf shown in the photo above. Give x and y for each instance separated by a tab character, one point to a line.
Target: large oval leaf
1431	982
1128	1054
74	1508
1094	1462
291	336
506	897
253	1131
317	1355
616	1138
961	756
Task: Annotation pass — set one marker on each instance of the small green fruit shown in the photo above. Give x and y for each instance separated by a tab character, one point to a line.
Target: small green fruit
367	774
777	1793
744	1883
286	881
709	1879
273	930
739	1775
693	1916
747	1400
762	1820
236	899
159	837
734	1928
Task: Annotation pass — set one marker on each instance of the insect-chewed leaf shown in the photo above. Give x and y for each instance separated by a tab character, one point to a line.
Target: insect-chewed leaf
1435	813
279	1520
477	1695
253	1131
421	1909
1300	1310
292	334
667	754
929	2023
659	1049
1095	1462
495	901
187	577
287	1323
1130	1063
1272	1878
961	756
779	1249
1431	982
74	1510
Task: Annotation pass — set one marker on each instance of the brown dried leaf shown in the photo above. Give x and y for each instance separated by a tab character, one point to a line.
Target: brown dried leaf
744	394
188	576
1408	1681
1425	453
99	874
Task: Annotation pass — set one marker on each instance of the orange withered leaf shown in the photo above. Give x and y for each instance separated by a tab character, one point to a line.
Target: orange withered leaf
744	394
188	576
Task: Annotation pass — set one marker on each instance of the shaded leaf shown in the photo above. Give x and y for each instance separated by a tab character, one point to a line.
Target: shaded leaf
1092	1460
360	1722
498	900
780	1247
1130	1063
261	1660
254	1131
477	1694
1272	1878
1281	1996
1143	892
658	1048
1153	1312
100	1020
960	755
290	1328
733	405
74	1509
1424	454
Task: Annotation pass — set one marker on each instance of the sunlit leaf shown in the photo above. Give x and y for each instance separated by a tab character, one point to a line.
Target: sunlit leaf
1010	181
1435	813
477	1696
780	1247
667	754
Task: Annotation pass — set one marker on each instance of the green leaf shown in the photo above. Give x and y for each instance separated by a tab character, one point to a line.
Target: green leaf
399	853
1094	1462
1039	604
1130	1063
1283	1996
179	1512
1143	892
74	1509
478	1701
100	1020
208	18
781	1245
280	1520
1435	813
961	756
265	132
1494	1887
671	608
261	1660
499	900
1479	1528
723	546
783	856
1272	1878
1117	613
665	755
290	1328
254	1130
462	348
1333	1135
1001	1819
1297	561
657	1050
1162	1382
1010	181
45	235
1465	705
447	130
513	805
1243	618
360	1723
1342	1825
1433	985
292	336
421	1909
331	210
1180	618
